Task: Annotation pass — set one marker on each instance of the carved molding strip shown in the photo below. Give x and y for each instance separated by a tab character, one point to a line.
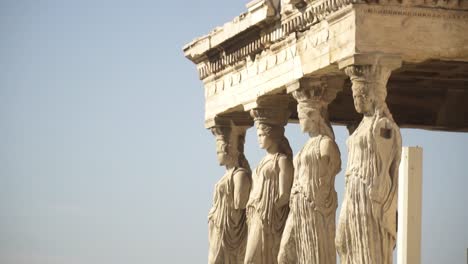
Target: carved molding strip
312	15
315	13
396	11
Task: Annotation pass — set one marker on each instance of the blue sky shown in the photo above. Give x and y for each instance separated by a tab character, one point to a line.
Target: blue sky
103	154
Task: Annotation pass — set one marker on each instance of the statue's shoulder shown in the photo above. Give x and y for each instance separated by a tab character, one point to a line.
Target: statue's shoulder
281	156
385	127
326	140
240	175
239	171
283	161
385	122
328	146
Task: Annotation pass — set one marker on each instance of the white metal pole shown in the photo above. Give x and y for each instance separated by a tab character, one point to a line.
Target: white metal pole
409	206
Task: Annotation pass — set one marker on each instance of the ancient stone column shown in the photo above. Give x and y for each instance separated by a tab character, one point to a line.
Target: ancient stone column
309	235
227	218
267	208
367	225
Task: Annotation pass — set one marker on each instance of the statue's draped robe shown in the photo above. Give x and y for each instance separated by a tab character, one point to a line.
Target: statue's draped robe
367	226
227	225
309	235
265	220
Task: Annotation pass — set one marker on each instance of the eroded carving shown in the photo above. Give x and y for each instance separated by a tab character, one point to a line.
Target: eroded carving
227	217
302	21
315	11
267	208
309	235
367	225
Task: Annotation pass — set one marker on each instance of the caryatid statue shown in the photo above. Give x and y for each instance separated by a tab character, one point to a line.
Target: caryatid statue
366	231
309	235
227	218
267	208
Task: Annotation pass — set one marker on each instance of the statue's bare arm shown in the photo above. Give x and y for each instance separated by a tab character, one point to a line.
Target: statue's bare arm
330	155
286	174
241	189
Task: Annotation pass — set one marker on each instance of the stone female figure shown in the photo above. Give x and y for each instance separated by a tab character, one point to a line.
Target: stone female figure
267	208
309	235
367	225
227	218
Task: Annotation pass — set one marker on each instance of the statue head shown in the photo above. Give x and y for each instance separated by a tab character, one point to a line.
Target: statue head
230	146
270	120
223	148
312	109
369	88
310	119
363	97
268	134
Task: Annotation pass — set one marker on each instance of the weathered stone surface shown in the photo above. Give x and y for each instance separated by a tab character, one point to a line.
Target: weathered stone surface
267	208
227	219
244	60
309	235
416	51
367	225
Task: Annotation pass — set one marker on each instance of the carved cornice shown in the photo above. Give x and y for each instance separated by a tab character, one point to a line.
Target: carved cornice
314	12
300	22
419	12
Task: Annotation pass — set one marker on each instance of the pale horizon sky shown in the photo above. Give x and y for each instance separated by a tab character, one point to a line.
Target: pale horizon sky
104	158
